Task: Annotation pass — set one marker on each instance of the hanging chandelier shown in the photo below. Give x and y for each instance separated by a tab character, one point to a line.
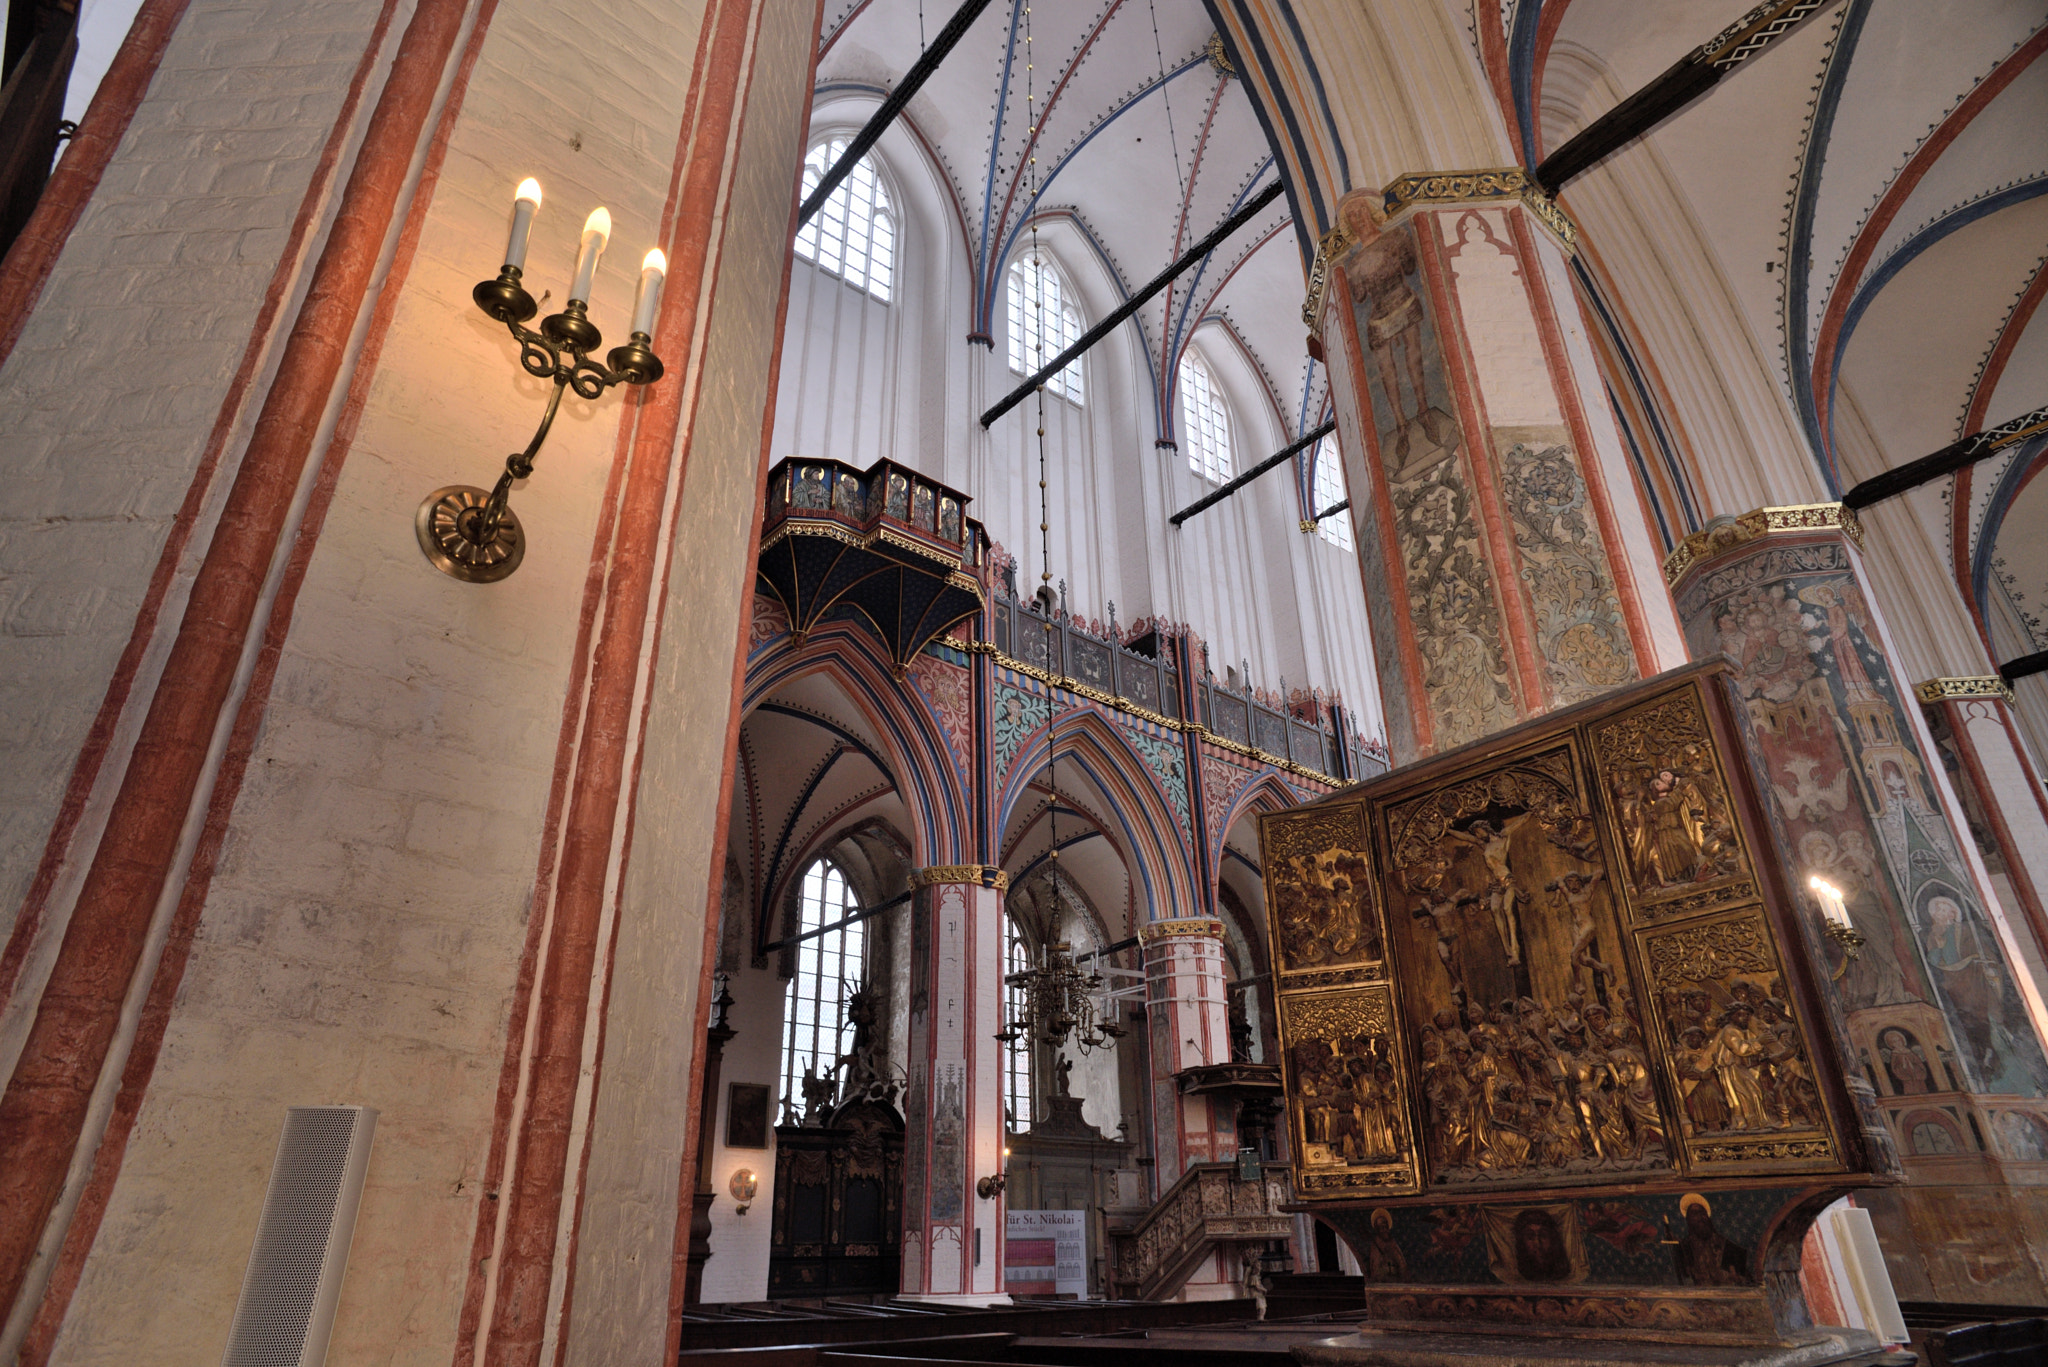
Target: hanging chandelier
1059	1002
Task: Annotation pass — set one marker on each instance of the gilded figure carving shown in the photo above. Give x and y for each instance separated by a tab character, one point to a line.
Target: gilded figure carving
1669	804
1319	886
1531	1053
1745	1081
1344	1084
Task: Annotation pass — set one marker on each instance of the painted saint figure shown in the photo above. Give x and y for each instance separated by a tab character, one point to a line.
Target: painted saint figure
1704	1255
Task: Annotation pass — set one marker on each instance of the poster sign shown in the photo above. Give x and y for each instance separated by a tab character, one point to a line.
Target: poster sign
1045	1253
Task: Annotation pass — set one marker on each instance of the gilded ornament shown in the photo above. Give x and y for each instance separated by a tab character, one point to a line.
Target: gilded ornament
1752	526
1961	690
979	875
1498	183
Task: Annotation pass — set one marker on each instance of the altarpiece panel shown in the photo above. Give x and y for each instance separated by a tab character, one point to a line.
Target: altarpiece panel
1541	989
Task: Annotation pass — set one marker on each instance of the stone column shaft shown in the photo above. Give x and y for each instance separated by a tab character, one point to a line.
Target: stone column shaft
1503	545
1940	1011
952	1235
1187	1011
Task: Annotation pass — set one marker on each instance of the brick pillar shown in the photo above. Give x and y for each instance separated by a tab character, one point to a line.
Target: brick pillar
1506	557
1188	1014
1940	1013
952	1235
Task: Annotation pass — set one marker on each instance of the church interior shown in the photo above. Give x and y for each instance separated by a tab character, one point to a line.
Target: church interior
1339	681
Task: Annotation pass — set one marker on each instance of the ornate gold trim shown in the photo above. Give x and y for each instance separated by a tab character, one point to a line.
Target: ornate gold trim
1328	250
1797	517
957	576
1154	931
1493	183
980	875
1219	60
1958	690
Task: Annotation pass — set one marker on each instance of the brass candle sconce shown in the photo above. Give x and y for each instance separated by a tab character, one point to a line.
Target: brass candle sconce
472	535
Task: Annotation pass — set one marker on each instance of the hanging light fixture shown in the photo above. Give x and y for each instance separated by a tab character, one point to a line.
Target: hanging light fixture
1059	1004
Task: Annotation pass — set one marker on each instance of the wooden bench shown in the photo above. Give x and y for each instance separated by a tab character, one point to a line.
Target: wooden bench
2005	1343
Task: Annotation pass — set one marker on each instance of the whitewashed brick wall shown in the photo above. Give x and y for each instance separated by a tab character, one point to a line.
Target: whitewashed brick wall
116	381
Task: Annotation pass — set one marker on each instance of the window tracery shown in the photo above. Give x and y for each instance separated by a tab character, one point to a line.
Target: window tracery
854	235
1327	492
1205	421
1017	1055
1042	323
829	967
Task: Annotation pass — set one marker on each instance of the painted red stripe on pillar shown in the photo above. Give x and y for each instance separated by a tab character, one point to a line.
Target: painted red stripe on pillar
1393	558
170	971
721	835
85	771
34	254
43	1112
1562	379
1503	558
537	1192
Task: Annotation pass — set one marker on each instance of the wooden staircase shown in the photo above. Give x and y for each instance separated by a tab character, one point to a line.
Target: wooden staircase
1210	1205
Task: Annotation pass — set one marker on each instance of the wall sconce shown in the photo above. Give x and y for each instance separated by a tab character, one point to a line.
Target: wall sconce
1835	916
743	1186
473	536
992	1187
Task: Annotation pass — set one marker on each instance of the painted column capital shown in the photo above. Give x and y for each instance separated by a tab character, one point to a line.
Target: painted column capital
1729	534
1493	184
1154	932
1963	690
976	875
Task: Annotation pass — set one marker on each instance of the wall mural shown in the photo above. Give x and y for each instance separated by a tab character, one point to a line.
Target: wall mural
1457	626
1851	799
1018	712
1579	632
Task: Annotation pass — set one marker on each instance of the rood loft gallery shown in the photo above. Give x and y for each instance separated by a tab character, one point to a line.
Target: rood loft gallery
1068	679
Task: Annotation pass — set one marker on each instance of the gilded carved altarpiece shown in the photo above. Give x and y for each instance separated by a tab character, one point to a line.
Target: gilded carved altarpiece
1552	961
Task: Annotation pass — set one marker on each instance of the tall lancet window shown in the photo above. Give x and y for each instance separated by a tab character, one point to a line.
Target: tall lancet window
1328	486
828	968
854	235
1017	1056
1042	323
1207	423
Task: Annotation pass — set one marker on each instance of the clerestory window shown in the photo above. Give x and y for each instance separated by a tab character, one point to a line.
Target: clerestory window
1206	422
854	235
828	968
1042	323
1328	485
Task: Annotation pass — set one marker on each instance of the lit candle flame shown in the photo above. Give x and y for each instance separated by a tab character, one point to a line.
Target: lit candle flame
1832	904
655	261
599	222
529	190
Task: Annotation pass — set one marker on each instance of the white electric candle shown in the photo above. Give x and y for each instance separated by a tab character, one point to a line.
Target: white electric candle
652	271
525	204
1832	905
597	230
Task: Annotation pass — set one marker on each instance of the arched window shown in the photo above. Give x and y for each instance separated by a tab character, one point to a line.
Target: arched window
1206	422
828	968
1017	1056
1328	487
1042	323
854	235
